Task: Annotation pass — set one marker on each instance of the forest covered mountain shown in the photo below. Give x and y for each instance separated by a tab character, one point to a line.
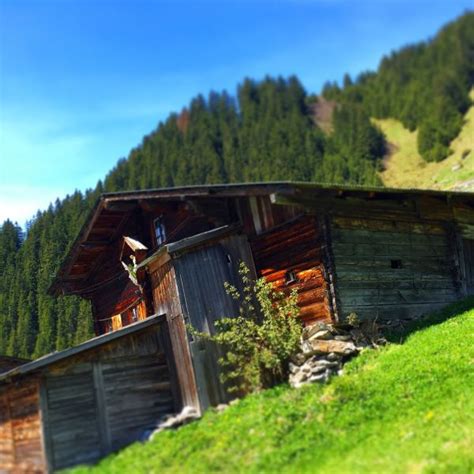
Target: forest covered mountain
266	131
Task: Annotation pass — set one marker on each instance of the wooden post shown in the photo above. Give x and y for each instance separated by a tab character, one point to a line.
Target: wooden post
328	262
457	248
102	421
45	431
164	337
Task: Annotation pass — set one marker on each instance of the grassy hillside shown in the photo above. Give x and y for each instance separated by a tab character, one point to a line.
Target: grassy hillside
406	168
406	408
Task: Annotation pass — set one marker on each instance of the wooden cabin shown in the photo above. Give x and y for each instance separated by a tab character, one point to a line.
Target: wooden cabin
77	405
380	253
386	255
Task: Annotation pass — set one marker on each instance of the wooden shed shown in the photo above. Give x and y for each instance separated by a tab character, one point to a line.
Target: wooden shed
77	405
187	284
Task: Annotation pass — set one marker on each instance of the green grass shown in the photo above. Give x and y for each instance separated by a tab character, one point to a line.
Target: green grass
405	168
406	408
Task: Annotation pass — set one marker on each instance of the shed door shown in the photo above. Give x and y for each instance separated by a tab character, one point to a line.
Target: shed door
201	275
72	425
137	393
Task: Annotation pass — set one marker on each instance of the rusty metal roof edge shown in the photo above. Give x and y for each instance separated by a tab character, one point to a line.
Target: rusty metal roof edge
87	345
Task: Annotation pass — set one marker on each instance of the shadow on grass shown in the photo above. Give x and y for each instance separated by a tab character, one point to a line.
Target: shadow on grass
454	309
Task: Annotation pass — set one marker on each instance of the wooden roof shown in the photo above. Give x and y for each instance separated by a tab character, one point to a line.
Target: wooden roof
108	218
85	346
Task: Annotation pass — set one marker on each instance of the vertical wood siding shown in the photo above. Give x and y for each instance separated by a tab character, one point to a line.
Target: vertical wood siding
166	301
392	269
21	449
73	418
295	247
201	277
102	400
468	251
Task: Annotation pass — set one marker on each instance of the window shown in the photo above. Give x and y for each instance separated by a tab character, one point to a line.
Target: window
160	233
130	316
290	277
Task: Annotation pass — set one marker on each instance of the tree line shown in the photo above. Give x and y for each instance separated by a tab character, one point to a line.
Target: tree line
426	86
263	132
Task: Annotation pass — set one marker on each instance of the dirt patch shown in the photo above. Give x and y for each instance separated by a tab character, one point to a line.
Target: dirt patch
321	113
391	150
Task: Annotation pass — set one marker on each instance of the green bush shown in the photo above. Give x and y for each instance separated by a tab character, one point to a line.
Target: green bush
257	344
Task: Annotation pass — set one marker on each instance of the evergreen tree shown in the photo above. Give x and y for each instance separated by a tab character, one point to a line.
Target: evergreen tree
263	133
426	86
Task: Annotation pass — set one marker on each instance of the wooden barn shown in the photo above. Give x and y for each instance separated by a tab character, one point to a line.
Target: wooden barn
164	255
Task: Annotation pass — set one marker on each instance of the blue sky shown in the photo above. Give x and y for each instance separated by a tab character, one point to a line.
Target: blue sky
81	82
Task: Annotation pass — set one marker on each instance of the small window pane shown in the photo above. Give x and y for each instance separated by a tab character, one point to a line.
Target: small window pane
160	233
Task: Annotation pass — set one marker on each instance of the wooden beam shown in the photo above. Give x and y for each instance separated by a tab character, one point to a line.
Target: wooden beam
380	208
328	266
45	428
94	244
124	206
117	231
102	422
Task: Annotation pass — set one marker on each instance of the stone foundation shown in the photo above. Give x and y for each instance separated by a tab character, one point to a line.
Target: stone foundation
325	348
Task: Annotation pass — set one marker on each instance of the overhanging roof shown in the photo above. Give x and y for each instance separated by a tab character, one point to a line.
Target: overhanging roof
113	209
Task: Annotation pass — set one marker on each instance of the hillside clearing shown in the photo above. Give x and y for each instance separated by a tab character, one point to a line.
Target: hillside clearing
405	167
405	408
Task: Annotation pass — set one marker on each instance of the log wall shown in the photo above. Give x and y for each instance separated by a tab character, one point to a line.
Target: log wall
392	269
296	247
21	449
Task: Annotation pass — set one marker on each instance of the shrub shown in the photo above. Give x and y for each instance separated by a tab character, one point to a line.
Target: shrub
258	343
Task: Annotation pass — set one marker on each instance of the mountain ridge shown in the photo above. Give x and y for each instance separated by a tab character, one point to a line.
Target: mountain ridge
264	132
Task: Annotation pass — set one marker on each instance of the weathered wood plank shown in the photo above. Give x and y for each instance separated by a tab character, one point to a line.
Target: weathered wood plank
393	272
